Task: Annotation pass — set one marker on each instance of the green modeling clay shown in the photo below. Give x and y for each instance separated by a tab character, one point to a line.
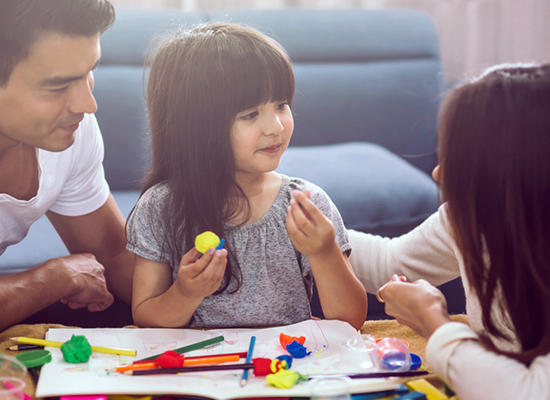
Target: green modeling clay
76	350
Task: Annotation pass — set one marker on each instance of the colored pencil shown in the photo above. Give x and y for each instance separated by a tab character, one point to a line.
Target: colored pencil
96	349
247	366
19	347
200	368
366	375
244	379
242	354
195	346
187	362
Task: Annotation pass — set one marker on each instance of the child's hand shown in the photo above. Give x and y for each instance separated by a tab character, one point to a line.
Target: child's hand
200	277
417	305
310	231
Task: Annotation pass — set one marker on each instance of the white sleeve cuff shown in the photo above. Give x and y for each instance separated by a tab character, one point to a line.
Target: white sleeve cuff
443	343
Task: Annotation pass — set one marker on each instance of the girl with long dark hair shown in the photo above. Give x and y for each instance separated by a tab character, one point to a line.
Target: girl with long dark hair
493	230
219	100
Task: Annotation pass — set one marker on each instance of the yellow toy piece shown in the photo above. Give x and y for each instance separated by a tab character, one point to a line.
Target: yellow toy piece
423	386
285	379
206	241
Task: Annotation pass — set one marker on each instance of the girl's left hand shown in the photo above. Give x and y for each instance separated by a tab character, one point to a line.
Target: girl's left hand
418	305
310	231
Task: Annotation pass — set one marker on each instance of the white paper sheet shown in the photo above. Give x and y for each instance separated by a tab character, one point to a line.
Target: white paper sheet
323	339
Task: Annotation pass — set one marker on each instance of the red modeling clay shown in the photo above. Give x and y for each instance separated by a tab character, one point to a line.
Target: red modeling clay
262	366
169	359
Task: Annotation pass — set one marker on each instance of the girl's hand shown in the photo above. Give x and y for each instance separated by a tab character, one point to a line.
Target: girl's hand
310	231
200	277
418	305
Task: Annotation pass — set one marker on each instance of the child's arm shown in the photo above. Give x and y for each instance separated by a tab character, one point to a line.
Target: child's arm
157	302
341	294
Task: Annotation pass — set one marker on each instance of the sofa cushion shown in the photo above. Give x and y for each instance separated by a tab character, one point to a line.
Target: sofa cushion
361	75
374	190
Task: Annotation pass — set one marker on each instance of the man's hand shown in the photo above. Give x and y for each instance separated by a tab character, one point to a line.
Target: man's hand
200	277
87	282
76	280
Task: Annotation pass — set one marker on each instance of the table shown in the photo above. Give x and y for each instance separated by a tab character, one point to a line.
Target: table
378	329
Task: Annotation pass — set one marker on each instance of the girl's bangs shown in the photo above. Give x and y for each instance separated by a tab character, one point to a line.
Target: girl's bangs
259	80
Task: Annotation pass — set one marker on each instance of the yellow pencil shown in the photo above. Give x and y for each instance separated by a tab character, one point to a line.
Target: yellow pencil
51	343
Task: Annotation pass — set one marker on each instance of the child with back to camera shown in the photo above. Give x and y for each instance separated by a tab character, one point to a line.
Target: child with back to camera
219	100
493	230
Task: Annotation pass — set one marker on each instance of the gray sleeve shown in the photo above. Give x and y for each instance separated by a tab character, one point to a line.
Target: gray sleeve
146	229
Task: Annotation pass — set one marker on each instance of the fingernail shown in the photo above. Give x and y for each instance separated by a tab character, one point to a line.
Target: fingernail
210	251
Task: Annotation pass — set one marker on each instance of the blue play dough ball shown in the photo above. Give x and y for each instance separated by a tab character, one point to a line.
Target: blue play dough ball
286	358
297	350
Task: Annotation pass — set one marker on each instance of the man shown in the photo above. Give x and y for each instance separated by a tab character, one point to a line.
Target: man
51	154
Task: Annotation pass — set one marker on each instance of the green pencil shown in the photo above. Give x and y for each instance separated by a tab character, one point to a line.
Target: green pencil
195	346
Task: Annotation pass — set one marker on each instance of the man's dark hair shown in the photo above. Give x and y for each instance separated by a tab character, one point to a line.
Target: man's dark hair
23	21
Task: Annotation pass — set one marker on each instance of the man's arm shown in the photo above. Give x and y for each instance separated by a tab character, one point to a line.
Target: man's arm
77	277
102	234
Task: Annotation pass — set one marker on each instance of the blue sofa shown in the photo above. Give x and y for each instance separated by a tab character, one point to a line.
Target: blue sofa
368	88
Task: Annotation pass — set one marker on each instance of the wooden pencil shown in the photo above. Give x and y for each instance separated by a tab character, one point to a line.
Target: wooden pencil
244	378
202	368
381	374
194	346
96	349
187	362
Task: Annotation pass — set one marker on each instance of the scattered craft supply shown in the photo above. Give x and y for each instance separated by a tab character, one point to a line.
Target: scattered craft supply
285	379
20	347
95	349
287	360
262	366
76	350
185	349
244	379
278	365
294	345
34	358
381	374
297	350
200	368
259	366
285	339
171	359
423	386
206	241
416	361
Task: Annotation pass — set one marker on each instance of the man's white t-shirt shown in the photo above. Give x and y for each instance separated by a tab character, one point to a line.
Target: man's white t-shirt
71	182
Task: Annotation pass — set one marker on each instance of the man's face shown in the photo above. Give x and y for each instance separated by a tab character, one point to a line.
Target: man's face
48	93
